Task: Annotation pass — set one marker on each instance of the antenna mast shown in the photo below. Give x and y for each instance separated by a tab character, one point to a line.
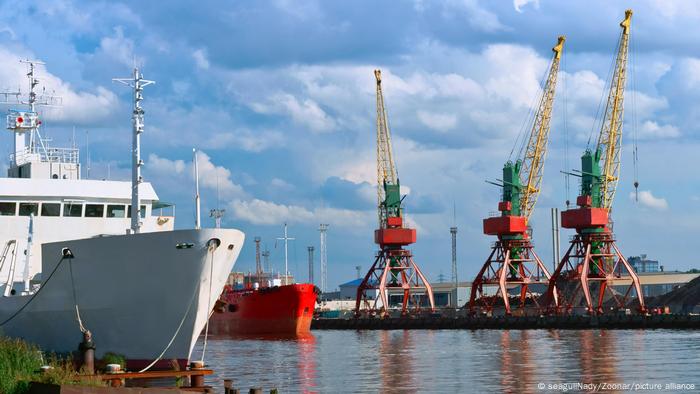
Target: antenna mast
21	122
197	214
258	266
137	83
286	263
323	228
311	263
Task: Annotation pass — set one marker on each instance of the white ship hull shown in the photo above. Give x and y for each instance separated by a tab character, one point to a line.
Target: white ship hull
133	293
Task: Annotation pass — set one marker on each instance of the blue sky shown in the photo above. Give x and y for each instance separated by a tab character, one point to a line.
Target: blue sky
279	97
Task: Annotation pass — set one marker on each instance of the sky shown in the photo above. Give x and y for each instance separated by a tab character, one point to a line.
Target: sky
278	96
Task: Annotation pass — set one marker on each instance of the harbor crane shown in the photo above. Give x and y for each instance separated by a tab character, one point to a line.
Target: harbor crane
593	261
513	263
393	266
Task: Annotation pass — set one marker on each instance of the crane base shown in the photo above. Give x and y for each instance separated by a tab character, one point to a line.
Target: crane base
582	281
512	265
392	269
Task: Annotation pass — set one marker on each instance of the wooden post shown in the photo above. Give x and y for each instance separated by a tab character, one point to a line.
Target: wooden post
255	390
228	386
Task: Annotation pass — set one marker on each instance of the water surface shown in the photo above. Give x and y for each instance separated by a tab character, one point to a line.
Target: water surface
517	361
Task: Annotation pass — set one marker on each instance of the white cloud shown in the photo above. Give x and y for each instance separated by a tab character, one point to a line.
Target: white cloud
78	107
437	121
212	177
477	16
201	59
213	129
305	112
263	212
519	4
652	130
281	184
304	10
120	48
672	9
650	201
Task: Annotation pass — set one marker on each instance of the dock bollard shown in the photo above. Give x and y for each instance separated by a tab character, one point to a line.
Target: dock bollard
87	353
255	390
196	380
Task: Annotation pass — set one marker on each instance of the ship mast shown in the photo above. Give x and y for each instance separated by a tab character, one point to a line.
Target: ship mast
137	83
286	263
21	122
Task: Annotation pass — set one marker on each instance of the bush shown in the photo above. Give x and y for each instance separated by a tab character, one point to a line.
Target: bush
18	362
112	358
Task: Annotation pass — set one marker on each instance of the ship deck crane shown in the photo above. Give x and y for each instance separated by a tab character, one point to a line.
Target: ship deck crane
513	263
393	267
593	261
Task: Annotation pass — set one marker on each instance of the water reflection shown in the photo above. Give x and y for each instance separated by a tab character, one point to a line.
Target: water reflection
517	370
598	356
306	363
451	360
396	361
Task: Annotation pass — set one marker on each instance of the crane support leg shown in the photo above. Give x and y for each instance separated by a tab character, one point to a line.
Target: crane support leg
593	261
512	264
407	280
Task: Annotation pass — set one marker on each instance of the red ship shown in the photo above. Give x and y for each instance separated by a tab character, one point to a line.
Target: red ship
284	310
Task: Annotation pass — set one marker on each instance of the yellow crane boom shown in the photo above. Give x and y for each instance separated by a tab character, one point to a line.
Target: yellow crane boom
610	139
532	168
386	170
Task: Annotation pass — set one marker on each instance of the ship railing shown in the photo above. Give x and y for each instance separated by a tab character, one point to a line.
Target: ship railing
48	155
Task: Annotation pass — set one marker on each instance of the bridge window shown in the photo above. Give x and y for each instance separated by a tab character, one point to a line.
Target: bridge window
143	211
94	210
28	208
116	211
8	208
50	209
72	210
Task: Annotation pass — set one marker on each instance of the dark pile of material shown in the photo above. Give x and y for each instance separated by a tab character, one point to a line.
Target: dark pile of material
685	299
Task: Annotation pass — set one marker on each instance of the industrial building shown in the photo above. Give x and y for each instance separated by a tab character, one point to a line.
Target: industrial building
447	295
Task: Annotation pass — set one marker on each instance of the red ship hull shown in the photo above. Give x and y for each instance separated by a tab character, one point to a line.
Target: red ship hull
274	310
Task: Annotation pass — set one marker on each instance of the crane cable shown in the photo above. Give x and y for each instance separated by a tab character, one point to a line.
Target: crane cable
635	152
598	119
567	176
521	139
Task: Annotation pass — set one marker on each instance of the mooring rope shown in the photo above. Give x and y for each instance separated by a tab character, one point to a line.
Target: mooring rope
184	317
75	298
177	331
206	329
35	294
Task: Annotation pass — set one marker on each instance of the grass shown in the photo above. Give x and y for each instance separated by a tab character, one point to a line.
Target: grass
20	364
18	361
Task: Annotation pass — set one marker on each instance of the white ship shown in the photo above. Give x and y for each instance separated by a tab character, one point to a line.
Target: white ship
74	258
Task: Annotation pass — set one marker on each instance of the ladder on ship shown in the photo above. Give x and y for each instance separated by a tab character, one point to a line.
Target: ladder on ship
10	249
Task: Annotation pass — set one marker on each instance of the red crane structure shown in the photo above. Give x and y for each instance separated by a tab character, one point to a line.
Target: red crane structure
393	267
513	263
593	261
